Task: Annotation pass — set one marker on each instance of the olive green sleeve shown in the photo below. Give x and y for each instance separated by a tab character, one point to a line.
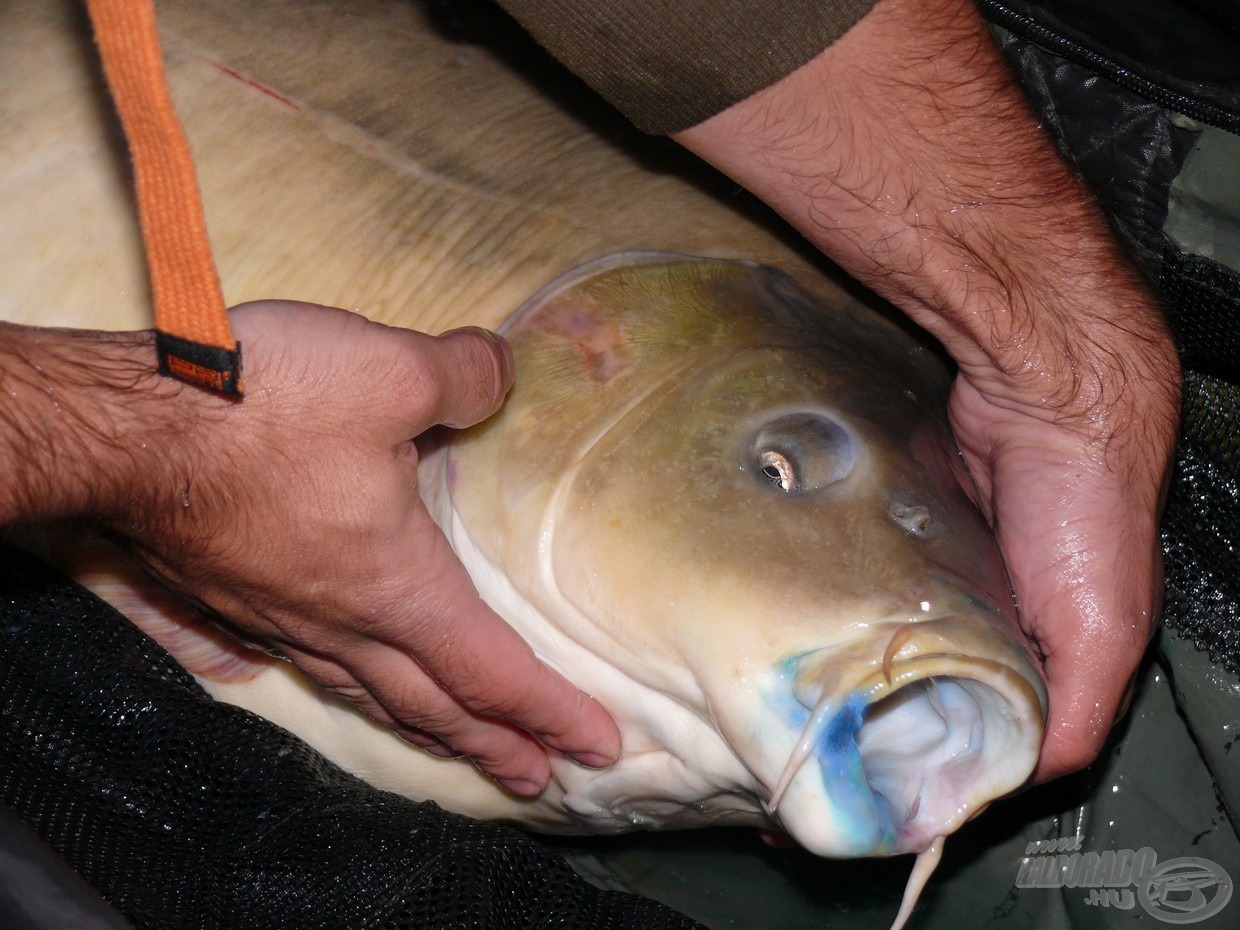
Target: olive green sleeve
669	64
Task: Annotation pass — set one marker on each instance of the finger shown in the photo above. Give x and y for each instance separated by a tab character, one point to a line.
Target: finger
1094	627
458	379
465	374
486	666
1092	652
334	677
1083	709
410	697
394	691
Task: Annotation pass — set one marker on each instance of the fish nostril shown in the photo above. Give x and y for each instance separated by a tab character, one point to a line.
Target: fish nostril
915	520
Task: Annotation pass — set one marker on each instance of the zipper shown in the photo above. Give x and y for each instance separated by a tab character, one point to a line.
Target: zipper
1071	50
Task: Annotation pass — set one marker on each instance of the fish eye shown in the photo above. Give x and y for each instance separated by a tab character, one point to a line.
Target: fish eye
802	452
776	466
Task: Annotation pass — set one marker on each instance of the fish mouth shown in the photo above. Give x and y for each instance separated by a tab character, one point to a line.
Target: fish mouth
908	752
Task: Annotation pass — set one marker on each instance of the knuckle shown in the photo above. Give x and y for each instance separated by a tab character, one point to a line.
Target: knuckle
506	754
490	698
426	393
413	705
439	725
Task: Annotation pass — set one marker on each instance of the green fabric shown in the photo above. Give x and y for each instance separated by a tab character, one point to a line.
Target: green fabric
669	64
1203	212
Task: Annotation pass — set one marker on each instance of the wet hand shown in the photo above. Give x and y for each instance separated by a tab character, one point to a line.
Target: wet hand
295	515
1074	492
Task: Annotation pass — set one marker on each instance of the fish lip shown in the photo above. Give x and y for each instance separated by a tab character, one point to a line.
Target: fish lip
1027	705
871	818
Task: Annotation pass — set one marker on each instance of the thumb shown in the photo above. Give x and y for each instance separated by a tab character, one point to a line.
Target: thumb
473	371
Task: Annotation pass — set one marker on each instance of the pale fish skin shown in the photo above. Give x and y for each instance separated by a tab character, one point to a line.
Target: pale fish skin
722	497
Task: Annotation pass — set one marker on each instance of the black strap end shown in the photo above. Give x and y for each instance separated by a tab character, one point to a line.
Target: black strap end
211	367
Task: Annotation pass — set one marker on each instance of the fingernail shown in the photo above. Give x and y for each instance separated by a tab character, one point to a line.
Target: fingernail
508	365
521	787
444	752
592	760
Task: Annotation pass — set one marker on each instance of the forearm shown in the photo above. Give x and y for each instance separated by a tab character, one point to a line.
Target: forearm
83	422
907	154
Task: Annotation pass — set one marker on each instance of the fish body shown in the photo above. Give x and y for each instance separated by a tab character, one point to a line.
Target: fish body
722	496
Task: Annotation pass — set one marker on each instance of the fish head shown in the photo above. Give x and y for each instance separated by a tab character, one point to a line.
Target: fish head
731	508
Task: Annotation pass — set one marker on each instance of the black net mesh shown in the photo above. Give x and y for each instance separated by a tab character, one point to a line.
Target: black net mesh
1201	528
1202	302
186	813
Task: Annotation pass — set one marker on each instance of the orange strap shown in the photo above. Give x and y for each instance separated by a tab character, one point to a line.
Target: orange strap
193	338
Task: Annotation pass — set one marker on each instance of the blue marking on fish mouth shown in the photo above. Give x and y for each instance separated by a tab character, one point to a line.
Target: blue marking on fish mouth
865	816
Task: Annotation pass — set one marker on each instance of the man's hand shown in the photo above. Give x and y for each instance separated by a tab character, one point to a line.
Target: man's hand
906	153
1075	505
295	515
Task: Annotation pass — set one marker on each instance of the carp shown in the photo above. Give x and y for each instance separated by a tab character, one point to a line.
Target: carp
722	497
